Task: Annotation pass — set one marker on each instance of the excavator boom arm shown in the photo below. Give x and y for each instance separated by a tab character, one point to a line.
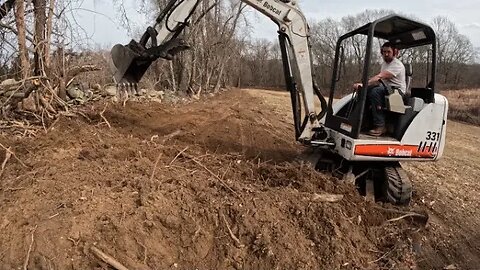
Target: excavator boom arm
134	59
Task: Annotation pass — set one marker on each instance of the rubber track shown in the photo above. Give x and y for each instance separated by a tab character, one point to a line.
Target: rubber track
399	187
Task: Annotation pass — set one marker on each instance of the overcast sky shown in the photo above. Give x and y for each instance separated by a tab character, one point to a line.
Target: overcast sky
105	30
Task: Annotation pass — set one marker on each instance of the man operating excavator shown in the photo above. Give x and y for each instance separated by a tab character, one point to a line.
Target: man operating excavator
392	72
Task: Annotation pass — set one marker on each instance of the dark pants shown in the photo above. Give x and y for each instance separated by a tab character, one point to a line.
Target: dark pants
376	97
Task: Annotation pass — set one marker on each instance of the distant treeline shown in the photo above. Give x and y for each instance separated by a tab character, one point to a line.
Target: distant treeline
222	52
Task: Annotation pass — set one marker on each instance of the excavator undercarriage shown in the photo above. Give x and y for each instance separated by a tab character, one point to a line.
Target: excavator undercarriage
380	181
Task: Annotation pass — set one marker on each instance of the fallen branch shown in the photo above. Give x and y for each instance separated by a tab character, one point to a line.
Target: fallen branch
179	153
208	170
412	214
103	117
25	263
232	235
422	218
171	136
69	82
327	197
34	80
55	96
47	105
13	154
107	259
384	255
226	171
155	166
53	124
77	70
8	154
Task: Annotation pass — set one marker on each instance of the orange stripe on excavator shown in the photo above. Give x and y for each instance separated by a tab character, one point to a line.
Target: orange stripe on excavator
392	150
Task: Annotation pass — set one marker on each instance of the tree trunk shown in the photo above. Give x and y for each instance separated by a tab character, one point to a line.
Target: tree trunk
62	91
22	43
40	43
173	83
48	33
219	79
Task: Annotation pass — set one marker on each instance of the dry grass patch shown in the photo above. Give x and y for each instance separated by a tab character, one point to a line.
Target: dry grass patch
464	105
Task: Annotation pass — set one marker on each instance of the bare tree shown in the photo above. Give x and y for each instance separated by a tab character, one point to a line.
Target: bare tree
40	41
324	36
21	36
454	50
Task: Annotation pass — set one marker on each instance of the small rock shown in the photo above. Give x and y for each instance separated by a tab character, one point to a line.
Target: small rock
75	93
270	253
97	88
170	221
74	232
153	93
149	223
110	90
8	82
154	99
9	93
28	104
142	92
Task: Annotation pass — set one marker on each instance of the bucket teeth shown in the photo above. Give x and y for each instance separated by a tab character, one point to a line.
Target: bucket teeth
129	89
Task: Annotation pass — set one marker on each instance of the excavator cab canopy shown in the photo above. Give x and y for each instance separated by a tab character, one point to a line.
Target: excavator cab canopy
404	33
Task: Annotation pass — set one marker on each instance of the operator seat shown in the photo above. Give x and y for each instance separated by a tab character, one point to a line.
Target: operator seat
414	102
408	78
398	102
412	106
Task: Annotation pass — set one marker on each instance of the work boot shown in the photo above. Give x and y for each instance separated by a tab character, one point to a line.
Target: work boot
378	131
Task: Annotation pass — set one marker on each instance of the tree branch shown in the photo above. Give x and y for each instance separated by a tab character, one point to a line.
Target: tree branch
6	7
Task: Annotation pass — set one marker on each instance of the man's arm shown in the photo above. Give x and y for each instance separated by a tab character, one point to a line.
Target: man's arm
374	80
380	76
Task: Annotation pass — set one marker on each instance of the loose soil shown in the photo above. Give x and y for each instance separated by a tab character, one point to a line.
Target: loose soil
219	183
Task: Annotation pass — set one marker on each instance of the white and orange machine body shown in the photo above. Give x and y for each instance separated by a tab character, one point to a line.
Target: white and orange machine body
423	140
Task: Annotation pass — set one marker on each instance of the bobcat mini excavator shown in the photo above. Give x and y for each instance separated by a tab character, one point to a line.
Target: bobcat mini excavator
335	135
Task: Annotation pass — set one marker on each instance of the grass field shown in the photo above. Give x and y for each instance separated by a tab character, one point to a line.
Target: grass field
464	105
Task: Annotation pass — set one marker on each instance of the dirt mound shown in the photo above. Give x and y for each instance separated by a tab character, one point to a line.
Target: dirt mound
215	184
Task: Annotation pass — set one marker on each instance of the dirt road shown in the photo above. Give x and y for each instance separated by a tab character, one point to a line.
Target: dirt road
218	184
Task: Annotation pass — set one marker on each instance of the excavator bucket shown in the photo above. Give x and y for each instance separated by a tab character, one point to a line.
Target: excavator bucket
130	65
133	60
161	41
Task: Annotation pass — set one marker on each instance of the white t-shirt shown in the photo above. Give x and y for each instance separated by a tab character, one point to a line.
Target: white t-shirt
398	70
